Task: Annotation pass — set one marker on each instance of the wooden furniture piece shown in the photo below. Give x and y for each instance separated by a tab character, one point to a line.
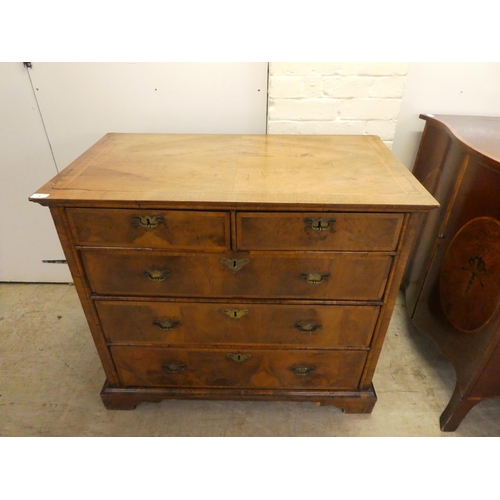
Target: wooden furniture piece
452	281
237	267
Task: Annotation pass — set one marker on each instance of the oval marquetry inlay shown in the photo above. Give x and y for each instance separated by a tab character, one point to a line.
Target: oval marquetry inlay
469	282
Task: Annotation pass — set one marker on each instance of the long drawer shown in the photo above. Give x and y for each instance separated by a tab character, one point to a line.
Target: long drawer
169	229
318	231
178	323
248	368
343	276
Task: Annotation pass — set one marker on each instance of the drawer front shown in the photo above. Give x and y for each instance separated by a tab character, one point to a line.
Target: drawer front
318	231
150	228
177	323
308	276
247	368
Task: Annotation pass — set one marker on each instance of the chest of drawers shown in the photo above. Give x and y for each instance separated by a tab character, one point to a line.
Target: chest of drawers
237	267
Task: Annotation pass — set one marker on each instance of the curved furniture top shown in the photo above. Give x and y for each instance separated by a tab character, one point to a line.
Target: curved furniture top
452	281
478	134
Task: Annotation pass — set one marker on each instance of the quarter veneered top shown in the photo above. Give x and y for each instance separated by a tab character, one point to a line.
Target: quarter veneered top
272	170
480	134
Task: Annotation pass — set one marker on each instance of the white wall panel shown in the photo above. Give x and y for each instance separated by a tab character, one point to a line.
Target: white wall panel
27	233
81	102
456	88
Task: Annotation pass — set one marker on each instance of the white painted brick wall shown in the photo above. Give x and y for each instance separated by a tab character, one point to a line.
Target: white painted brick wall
336	98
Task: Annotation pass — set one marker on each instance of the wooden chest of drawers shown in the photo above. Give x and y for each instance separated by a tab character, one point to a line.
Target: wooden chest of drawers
237	267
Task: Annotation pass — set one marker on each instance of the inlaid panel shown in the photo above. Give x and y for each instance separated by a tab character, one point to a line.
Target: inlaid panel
469	280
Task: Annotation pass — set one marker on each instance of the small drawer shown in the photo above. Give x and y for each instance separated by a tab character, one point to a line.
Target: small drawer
179	323
238	368
330	231
150	228
314	275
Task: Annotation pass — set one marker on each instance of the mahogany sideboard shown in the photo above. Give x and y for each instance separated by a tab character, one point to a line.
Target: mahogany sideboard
452	281
237	266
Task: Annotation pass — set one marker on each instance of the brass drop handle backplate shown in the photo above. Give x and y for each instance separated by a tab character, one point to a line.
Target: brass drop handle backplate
319	224
303	370
148	222
235	313
155	275
166	325
174	367
239	358
235	264
307	327
315	278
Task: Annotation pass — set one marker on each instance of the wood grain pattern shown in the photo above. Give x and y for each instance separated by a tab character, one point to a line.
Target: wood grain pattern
237	267
144	367
469	283
341	232
83	290
167	228
123	398
310	326
345	171
453	287
350	276
404	246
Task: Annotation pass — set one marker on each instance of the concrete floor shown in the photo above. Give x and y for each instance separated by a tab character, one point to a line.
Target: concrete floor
50	379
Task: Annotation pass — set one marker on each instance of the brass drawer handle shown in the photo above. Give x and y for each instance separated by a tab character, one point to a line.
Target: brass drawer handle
148	222
303	370
320	225
174	367
307	327
315	278
239	358
156	275
235	313
166	325
235	264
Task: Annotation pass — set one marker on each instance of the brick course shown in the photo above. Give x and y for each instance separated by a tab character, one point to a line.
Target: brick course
336	98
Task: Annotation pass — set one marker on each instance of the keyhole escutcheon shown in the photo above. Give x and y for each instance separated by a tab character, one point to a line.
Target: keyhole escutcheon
235	264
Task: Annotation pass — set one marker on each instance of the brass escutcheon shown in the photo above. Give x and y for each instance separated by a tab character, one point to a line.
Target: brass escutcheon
302	370
156	275
320	224
148	222
174	367
315	278
307	327
239	358
235	264
235	313
166	325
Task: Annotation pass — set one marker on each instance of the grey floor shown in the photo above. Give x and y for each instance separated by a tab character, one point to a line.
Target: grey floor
50	379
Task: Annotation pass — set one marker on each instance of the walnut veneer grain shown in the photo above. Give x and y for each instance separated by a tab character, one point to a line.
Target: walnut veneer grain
452	284
237	267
